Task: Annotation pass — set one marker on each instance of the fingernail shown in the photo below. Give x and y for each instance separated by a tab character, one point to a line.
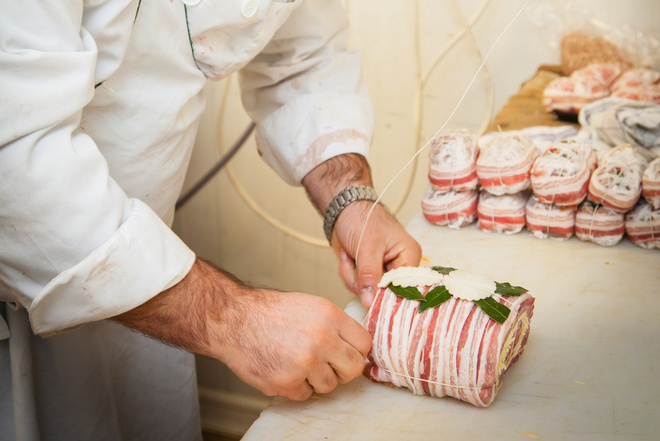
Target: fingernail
343	255
367	296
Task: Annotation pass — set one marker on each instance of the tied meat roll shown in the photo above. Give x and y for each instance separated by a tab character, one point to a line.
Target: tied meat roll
454	208
454	349
505	161
617	182
638	84
561	174
453	160
643	225
502	214
651	183
599	224
549	220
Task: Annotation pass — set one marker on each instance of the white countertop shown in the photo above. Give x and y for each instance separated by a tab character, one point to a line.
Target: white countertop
590	371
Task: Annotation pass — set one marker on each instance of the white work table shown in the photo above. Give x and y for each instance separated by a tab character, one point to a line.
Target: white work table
590	371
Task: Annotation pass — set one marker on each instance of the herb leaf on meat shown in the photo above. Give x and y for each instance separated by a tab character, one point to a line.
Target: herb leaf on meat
443	269
435	297
507	290
493	309
407	292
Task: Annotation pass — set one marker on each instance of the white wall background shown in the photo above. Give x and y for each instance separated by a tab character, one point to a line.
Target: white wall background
414	92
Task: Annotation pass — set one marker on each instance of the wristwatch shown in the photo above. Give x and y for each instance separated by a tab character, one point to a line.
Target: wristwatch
343	199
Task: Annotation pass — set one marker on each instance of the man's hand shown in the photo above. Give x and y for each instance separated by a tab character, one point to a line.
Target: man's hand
282	343
385	244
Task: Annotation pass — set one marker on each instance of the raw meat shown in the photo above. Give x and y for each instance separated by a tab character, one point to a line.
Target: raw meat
502	214
550	220
599	224
453	161
570	94
651	183
453	350
643	225
505	161
617	182
638	84
561	174
454	208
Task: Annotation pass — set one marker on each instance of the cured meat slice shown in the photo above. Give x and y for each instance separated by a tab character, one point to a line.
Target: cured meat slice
453	161
570	94
504	163
617	182
643	225
549	220
454	208
454	349
502	214
638	84
599	224
561	174
651	183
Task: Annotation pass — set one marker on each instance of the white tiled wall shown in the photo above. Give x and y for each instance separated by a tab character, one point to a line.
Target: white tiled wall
400	41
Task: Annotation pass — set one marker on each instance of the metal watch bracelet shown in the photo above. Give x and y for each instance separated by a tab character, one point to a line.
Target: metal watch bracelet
343	199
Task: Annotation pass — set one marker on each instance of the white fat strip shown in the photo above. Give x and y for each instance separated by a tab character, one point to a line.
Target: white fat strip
411	276
469	286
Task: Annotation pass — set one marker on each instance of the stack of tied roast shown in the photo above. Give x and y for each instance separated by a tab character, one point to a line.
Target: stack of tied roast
507	183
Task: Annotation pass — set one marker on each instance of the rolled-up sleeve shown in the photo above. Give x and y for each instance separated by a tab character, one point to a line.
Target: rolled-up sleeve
74	247
306	92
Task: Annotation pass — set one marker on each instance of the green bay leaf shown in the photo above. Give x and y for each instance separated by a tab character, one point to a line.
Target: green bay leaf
507	290
407	292
443	269
436	297
493	309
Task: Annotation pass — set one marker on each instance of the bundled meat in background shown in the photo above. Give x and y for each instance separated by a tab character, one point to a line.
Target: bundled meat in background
454	208
638	84
502	214
561	174
567	95
617	182
453	159
643	225
651	183
454	349
549	220
504	163
599	224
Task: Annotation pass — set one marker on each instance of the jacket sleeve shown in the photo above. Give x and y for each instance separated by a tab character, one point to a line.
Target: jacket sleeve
73	247
306	93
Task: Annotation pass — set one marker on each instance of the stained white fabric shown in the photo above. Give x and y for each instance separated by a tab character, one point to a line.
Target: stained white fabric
100	103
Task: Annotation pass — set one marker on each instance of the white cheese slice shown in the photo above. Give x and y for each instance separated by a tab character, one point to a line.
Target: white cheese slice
411	276
469	286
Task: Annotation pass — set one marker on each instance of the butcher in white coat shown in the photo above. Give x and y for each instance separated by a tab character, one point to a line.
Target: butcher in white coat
99	105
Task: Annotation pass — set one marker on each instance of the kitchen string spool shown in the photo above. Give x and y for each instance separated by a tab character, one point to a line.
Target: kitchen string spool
460	101
422	78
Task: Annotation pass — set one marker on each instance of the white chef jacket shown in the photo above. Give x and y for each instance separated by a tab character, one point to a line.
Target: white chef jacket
99	105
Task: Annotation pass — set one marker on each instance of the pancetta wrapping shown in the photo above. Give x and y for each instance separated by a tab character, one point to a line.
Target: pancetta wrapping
505	161
453	350
599	224
453	161
583	86
502	214
651	183
549	220
638	84
643	225
454	208
617	182
561	174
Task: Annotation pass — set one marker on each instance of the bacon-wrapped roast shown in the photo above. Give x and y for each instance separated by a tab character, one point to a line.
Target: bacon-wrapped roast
638	84
651	183
643	225
570	94
502	214
453	161
505	161
617	182
549	220
561	174
454	208
454	349
599	224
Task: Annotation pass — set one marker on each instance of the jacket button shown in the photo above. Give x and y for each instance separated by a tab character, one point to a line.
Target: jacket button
249	8
190	2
